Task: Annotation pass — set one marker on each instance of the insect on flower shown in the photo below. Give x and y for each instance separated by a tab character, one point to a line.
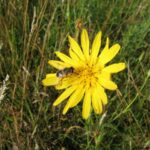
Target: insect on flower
65	72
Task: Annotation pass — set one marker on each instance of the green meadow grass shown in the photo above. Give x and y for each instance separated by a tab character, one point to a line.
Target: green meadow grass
30	33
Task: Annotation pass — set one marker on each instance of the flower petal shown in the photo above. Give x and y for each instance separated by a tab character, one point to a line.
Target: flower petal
114	68
80	96
108	84
96	101
86	108
58	64
74	99
64	83
64	95
102	95
108	55
67	81
73	55
85	43
76	48
105	75
51	79
65	58
104	51
96	47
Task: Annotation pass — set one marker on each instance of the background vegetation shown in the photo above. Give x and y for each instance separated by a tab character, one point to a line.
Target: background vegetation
30	32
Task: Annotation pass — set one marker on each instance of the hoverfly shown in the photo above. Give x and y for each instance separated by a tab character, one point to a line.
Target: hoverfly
65	72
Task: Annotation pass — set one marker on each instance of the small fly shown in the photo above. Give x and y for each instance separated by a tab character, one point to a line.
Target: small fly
65	72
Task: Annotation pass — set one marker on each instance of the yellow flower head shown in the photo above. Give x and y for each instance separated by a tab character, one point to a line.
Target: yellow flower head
84	74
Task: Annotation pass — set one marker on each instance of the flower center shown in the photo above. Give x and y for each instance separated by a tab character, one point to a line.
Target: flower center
88	74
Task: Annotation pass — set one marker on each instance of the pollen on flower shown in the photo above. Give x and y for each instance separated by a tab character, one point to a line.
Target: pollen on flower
90	76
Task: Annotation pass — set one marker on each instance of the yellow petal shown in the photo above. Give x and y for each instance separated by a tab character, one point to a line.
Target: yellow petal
68	81
74	99
80	96
63	83
114	68
108	84
102	95
96	47
76	59
73	55
65	58
109	55
58	64
104	51
96	101
86	104
107	44
76	48
64	95
51	79
105	75
85	43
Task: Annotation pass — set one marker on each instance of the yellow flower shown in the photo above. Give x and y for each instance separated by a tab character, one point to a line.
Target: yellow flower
84	74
